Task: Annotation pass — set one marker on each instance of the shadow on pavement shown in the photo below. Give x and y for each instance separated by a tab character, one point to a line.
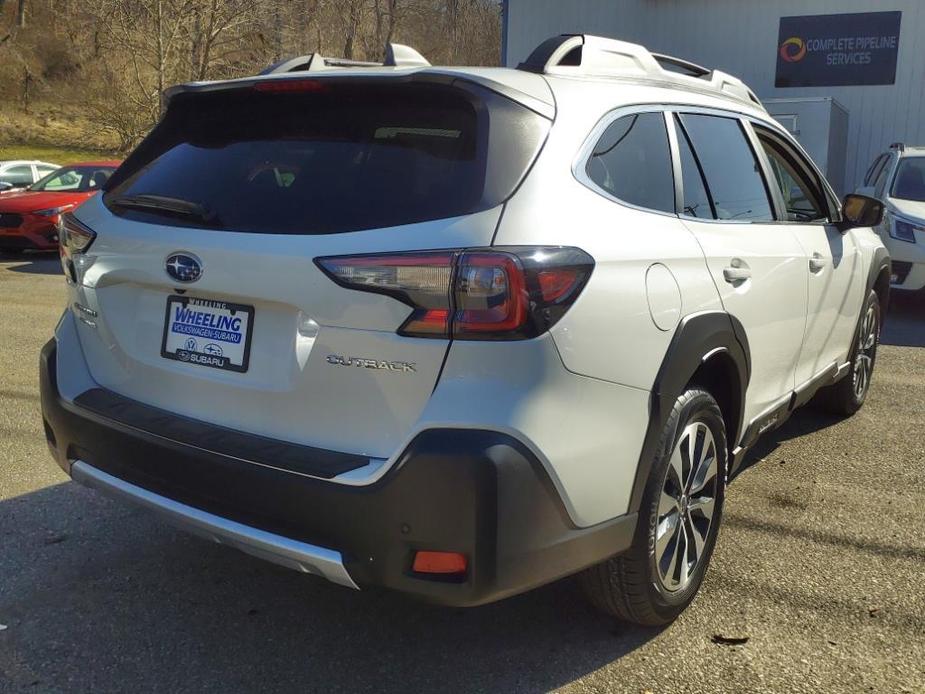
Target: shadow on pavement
101	596
905	322
33	263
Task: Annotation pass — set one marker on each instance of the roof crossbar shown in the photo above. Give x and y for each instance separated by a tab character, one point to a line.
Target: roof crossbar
396	55
586	55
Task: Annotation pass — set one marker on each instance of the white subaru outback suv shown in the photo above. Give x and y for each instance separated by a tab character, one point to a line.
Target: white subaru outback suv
897	178
459	332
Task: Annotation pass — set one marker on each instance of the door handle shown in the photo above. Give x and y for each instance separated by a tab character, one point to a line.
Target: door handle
818	262
734	275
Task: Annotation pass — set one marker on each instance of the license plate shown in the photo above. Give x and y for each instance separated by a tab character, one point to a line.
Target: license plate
208	333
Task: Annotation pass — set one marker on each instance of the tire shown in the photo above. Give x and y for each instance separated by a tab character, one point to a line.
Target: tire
848	395
645	585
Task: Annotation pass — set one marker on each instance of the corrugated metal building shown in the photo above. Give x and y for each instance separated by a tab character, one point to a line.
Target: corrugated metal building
743	37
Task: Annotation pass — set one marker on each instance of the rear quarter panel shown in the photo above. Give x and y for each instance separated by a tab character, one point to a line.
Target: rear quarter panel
609	333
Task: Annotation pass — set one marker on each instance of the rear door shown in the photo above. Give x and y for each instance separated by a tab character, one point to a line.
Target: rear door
210	301
756	264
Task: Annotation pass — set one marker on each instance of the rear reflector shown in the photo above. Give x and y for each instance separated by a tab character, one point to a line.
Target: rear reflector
440	563
491	294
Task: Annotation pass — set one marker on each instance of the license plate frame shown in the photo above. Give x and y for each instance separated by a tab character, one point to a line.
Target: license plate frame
209	335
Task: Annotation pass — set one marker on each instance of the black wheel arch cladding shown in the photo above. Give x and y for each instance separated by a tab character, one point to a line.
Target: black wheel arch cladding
698	339
880	267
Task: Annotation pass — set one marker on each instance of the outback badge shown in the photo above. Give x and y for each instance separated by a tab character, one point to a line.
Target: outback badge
380	364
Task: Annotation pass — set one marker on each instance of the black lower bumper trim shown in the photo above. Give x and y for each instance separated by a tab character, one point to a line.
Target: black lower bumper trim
305	460
480	493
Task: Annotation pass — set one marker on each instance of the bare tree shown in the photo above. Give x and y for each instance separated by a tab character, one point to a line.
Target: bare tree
115	58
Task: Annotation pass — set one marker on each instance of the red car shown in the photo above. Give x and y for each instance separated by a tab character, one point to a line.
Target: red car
29	218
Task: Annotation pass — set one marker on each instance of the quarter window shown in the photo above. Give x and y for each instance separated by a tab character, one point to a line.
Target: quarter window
632	162
733	178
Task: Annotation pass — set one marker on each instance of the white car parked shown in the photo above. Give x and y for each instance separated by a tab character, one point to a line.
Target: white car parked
897	179
460	332
21	173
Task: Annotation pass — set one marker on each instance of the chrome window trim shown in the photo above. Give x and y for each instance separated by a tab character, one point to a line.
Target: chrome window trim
580	161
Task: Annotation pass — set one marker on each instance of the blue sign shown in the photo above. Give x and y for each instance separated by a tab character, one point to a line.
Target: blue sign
833	50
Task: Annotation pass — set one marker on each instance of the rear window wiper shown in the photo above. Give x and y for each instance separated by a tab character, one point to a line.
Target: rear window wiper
163	204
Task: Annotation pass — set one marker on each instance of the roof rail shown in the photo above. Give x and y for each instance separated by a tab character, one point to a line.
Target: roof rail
396	55
583	54
898	145
670	61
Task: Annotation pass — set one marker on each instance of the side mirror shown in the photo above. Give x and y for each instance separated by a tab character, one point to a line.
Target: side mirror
861	211
5	186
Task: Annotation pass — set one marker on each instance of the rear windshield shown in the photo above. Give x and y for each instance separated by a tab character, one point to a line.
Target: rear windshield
343	156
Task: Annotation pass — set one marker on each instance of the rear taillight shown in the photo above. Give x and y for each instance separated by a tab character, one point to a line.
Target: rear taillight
74	238
493	294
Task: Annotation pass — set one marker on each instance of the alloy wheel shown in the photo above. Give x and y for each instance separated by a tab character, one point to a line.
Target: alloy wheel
686	506
864	357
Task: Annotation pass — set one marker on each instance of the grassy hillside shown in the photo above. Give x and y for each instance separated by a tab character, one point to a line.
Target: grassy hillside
55	155
59	133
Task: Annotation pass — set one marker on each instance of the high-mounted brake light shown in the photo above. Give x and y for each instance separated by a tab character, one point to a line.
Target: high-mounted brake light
290	86
506	293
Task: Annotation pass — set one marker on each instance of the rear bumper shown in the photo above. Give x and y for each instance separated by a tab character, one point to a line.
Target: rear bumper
477	492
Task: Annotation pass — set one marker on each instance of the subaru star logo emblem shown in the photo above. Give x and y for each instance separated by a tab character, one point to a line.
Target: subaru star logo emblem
184	267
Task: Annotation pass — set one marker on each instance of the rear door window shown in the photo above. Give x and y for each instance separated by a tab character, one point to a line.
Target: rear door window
731	171
696	199
341	156
20	175
632	162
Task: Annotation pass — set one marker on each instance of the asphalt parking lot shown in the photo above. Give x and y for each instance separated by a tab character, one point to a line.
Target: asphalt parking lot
817	584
